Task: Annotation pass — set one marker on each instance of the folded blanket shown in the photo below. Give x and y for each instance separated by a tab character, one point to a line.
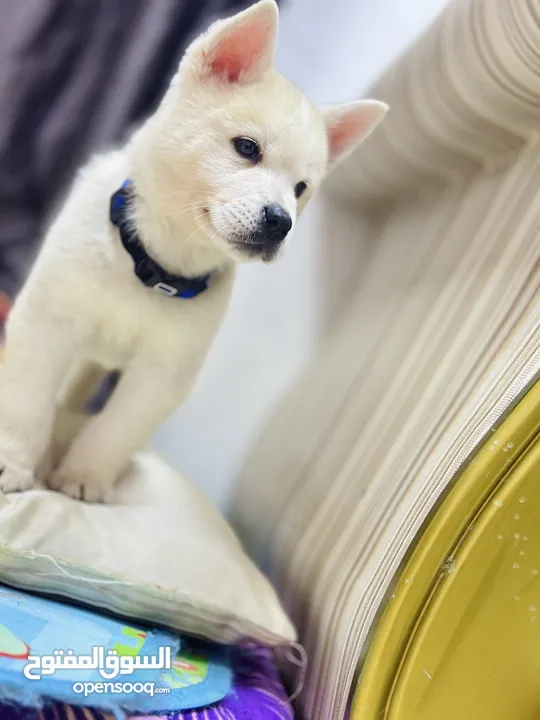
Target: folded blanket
257	694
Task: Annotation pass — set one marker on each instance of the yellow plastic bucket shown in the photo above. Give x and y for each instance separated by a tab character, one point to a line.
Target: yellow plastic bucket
459	638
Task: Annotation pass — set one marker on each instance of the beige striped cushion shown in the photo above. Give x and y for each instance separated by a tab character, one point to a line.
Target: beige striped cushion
440	338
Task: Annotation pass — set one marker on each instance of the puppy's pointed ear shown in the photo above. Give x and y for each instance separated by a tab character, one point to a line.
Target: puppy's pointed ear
237	50
349	124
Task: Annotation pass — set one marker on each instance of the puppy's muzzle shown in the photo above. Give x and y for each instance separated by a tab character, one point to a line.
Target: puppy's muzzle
266	237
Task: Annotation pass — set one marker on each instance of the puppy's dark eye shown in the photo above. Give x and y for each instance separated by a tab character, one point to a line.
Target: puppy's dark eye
300	189
247	148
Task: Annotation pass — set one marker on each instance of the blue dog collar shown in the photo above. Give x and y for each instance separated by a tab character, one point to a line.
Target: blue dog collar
149	272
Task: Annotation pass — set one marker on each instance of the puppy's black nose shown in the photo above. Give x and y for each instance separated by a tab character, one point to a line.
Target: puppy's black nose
276	222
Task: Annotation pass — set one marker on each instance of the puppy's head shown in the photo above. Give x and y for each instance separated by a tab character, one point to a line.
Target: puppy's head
236	148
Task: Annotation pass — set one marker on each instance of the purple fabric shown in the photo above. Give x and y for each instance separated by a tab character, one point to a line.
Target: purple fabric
257	694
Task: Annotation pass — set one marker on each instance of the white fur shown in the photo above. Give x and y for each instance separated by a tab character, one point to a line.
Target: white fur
194	196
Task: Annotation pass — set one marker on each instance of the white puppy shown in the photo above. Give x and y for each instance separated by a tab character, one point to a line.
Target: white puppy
218	175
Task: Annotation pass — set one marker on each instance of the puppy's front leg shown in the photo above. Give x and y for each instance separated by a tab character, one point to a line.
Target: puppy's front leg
146	395
39	352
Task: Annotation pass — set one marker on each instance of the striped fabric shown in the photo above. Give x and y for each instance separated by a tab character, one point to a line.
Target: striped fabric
442	335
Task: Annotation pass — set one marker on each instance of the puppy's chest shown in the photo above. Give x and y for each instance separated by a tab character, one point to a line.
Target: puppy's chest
129	319
125	328
115	339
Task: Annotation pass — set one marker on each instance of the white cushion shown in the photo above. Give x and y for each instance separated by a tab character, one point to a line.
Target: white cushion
161	554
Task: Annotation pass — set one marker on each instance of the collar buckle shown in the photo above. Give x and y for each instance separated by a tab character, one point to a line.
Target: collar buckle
165	289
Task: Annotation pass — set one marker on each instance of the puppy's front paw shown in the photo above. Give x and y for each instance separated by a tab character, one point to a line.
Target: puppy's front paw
14	479
81	485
